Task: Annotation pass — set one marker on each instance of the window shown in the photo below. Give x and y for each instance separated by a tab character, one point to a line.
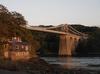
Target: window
26	48
17	47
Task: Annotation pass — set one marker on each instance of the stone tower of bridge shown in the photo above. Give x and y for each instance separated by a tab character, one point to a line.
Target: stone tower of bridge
67	44
69	41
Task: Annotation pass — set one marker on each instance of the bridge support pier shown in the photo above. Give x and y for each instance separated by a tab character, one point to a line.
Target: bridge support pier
67	45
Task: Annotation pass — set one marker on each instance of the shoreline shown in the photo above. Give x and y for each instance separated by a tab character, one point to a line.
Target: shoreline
39	66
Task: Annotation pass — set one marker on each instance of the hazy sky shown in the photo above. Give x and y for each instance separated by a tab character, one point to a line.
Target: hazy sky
86	12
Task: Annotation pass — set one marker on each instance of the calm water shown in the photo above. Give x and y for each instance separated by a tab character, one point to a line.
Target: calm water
75	62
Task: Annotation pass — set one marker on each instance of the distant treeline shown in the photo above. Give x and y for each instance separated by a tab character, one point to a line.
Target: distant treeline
91	46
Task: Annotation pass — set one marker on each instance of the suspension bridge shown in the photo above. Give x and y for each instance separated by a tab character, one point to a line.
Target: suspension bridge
69	37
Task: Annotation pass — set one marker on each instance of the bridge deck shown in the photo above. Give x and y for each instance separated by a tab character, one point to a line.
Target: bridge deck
51	31
45	30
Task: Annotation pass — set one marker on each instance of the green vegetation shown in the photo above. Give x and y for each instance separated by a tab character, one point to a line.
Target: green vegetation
48	43
91	46
10	26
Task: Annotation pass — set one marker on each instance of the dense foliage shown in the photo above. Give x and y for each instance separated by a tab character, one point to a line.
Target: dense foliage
10	26
90	46
48	43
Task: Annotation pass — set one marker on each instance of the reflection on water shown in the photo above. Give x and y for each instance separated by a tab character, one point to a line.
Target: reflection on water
75	62
69	64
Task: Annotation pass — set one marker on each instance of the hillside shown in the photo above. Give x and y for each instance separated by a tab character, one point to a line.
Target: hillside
91	46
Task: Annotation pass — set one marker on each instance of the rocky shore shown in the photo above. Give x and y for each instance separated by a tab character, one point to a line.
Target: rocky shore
32	66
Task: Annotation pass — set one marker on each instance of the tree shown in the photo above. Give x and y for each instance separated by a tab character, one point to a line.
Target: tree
3	9
18	18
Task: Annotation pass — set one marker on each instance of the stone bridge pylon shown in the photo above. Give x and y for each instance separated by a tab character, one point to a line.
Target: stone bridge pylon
67	44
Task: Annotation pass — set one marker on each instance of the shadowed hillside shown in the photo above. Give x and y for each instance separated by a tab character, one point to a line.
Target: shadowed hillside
91	46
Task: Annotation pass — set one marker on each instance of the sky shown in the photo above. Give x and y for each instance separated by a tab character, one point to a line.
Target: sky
55	12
